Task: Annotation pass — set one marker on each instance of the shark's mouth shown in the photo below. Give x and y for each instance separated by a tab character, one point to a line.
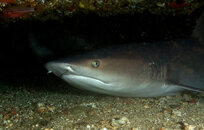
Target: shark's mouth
84	79
73	74
87	83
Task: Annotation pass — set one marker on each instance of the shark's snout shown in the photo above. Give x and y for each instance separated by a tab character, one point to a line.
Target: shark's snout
56	67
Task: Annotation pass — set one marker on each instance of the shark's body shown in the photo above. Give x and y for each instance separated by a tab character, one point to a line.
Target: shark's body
134	70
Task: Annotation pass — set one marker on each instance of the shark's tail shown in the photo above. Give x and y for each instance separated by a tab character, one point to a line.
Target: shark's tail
198	32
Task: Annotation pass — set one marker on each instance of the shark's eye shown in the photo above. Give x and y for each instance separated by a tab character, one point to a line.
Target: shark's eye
95	63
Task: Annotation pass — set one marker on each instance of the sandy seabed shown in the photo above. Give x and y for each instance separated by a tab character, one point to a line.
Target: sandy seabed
56	105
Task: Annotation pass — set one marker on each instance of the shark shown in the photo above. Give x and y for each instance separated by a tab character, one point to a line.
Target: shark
136	70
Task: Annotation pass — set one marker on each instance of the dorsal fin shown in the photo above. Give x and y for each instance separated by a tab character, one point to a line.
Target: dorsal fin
198	31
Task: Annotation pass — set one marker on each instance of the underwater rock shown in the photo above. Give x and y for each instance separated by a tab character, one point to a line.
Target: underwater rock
56	9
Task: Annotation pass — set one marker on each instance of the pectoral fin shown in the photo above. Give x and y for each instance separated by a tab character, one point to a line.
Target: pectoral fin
190	88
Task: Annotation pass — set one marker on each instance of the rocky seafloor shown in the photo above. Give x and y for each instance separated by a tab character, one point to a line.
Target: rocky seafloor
59	106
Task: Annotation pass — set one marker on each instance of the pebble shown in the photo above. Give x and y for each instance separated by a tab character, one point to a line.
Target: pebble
40	104
120	122
88	127
104	128
176	112
161	4
146	106
188	127
51	108
93	105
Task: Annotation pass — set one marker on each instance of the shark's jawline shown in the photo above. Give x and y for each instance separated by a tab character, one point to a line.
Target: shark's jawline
95	84
87	77
71	72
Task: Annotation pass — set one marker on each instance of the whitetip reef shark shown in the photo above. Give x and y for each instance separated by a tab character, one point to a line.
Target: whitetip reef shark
132	71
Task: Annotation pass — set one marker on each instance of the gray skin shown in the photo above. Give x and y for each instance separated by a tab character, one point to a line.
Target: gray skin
135	70
131	72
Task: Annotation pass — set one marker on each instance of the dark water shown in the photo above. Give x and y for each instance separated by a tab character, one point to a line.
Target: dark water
20	62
